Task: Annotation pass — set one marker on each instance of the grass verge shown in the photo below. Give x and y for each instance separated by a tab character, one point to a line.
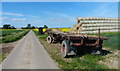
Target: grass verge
4	52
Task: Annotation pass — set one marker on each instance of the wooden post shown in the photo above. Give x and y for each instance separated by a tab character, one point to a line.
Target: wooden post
99	37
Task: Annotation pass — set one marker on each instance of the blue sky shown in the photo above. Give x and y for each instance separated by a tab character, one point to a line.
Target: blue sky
60	0
54	14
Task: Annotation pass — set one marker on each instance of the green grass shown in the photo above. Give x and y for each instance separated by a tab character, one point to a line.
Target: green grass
3	56
113	40
8	32
87	61
42	36
36	32
14	36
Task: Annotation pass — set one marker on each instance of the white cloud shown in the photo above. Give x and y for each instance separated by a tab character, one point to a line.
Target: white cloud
33	16
18	19
4	18
12	14
52	19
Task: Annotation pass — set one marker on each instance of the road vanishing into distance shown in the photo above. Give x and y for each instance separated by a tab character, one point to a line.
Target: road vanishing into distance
29	54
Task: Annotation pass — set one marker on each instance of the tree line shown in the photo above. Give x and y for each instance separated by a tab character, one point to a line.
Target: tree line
8	26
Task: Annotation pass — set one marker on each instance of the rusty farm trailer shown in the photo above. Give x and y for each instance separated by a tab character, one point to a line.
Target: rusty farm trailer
70	42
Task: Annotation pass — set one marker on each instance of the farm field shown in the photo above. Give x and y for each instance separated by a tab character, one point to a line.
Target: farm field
7	40
8	32
62	29
107	60
11	35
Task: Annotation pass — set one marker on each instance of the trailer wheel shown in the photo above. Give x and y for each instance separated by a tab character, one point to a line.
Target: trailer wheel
49	39
65	48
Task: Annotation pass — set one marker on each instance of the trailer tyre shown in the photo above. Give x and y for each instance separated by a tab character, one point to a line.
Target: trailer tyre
49	39
65	48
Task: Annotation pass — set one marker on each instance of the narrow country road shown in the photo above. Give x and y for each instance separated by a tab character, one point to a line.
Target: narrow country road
29	54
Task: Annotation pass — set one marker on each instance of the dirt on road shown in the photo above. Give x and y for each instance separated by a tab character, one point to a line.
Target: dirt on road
5	49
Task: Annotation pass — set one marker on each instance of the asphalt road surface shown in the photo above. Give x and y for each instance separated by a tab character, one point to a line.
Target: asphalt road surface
29	54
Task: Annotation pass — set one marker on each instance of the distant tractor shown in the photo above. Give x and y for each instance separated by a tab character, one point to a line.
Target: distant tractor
40	30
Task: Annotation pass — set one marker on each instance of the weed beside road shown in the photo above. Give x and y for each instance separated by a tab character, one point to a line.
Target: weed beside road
4	52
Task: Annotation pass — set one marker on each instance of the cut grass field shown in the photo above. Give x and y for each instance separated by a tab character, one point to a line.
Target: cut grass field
8	32
84	61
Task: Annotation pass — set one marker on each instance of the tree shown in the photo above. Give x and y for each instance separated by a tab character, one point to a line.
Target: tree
33	27
6	26
29	26
45	26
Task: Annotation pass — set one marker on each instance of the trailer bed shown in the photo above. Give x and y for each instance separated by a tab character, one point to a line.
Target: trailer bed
68	34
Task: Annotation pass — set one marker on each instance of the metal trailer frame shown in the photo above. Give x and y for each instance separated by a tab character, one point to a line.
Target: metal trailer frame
70	41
